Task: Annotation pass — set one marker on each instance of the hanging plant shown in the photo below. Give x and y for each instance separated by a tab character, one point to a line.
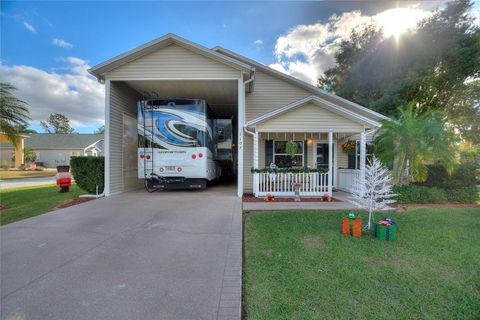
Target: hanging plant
349	147
291	148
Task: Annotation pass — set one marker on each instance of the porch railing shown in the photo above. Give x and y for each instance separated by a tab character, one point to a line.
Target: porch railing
280	184
347	179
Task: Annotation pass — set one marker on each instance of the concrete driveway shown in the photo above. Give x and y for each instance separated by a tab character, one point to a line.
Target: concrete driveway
166	255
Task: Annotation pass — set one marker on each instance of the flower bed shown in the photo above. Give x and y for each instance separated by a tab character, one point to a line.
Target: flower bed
252	198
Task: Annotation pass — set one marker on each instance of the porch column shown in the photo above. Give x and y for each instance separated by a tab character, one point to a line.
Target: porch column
363	151
255	162
330	162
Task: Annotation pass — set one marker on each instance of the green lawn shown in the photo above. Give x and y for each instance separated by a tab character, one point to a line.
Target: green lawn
32	201
299	266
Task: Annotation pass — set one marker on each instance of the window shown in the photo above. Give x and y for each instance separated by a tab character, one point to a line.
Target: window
354	160
284	160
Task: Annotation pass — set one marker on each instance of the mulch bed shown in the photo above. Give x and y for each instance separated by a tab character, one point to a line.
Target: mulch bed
252	198
4	207
73	202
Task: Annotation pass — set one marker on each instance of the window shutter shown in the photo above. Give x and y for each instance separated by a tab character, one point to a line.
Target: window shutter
268	152
305	154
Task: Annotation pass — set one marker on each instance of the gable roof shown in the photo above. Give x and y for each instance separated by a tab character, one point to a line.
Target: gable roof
320	102
300	83
62	141
100	69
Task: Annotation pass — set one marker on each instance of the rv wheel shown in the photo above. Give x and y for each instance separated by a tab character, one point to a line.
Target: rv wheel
149	186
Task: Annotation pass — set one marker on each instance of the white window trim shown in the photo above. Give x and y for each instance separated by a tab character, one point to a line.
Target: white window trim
357	154
286	154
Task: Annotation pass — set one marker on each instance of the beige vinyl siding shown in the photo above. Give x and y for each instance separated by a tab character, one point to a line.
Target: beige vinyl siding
342	157
173	62
270	93
310	118
123	99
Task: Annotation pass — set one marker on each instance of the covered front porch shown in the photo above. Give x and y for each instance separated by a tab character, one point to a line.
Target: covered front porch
316	130
319	167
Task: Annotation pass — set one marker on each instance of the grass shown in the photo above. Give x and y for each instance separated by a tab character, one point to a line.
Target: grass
19	174
32	201
299	266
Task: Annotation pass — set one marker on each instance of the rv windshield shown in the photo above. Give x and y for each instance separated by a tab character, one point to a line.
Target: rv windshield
177	123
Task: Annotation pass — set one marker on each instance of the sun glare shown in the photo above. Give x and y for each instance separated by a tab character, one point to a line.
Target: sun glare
399	20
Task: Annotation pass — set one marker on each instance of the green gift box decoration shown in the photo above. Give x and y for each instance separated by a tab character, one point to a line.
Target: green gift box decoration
385	229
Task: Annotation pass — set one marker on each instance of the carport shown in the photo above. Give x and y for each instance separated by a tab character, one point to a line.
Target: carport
167	67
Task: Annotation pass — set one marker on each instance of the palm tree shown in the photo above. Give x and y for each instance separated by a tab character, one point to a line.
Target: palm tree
412	141
14	112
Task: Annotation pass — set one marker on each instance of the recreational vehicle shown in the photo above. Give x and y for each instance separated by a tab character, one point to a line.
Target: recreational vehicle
181	145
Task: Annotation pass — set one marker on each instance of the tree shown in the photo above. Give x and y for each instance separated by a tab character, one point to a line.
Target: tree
375	192
100	130
14	112
57	123
29	155
412	140
437	67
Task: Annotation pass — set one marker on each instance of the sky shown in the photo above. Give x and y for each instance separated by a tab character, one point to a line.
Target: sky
47	47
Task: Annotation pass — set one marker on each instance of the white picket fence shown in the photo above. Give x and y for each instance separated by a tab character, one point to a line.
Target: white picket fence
347	179
280	184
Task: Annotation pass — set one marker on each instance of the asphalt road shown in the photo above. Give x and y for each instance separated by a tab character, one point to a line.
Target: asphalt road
26	182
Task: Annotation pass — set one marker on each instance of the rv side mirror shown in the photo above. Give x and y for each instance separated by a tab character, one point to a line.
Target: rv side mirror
221	135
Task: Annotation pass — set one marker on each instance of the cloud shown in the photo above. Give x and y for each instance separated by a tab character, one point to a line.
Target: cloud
73	93
258	42
307	51
29	27
61	43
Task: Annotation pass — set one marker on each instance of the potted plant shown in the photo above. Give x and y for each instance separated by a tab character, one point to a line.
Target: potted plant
349	147
291	148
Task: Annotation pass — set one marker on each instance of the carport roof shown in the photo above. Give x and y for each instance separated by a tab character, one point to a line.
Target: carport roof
100	69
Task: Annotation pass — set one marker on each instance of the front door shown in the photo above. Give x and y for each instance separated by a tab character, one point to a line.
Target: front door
322	157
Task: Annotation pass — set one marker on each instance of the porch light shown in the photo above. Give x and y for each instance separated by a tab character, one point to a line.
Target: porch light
309	141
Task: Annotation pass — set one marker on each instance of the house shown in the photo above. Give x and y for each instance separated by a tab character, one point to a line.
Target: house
7	150
269	108
54	149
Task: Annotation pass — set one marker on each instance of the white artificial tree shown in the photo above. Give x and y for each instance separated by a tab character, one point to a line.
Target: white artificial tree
375	192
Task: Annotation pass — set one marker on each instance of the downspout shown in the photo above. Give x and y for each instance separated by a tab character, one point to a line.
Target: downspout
252	77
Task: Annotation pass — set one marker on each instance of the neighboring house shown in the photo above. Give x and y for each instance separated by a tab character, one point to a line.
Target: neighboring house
7	150
56	149
268	107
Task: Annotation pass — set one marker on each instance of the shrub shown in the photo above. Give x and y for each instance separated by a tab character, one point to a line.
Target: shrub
5	165
88	172
419	194
463	176
463	195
